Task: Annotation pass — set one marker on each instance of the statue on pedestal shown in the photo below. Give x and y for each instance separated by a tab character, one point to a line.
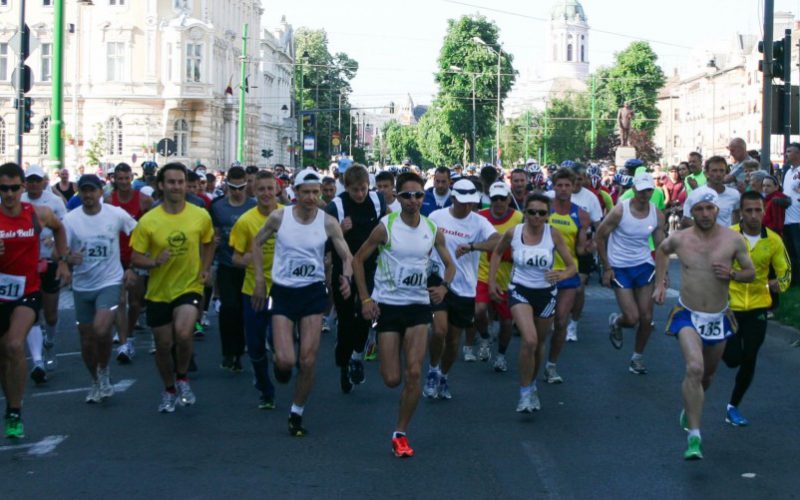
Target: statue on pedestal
624	119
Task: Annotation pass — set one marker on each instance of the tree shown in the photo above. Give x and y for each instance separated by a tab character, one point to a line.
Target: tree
401	143
97	146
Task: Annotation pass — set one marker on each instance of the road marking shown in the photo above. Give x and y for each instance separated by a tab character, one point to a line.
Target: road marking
545	468
43	447
121	386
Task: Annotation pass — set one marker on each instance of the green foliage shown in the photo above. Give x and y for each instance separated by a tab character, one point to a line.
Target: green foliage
401	143
97	146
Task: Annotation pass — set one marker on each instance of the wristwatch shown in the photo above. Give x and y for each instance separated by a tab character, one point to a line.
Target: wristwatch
446	284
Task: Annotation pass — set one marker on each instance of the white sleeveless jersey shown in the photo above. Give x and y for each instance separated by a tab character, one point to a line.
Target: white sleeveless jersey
531	262
402	274
299	251
629	243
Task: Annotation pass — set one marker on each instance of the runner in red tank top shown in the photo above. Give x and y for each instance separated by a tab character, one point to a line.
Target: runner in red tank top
136	204
20	296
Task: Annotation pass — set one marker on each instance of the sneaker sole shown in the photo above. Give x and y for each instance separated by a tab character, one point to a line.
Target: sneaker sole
729	421
555	381
637	372
167	410
693	456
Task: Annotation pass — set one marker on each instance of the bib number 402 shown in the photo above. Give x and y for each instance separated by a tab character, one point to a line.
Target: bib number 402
304	270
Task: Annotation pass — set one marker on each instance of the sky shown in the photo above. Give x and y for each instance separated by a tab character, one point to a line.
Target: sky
397	43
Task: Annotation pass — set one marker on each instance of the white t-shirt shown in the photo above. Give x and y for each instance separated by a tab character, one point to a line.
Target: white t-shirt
586	201
791	188
394	206
56	204
471	229
97	238
727	201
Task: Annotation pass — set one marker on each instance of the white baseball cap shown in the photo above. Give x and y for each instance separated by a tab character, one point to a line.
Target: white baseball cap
499	189
642	181
465	191
34	170
307	176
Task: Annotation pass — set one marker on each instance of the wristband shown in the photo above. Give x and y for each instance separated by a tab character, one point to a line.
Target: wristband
367	300
471	247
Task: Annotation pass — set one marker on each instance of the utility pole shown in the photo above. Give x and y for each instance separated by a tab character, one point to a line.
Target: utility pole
474	127
497	132
544	133
23	54
300	94
766	102
787	88
594	115
56	130
240	138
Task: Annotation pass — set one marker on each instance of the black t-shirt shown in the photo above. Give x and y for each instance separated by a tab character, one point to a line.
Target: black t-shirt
364	219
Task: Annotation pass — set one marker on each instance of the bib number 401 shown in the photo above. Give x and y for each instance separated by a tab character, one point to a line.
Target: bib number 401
413	280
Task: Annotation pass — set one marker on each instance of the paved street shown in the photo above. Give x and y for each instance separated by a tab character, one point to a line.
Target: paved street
604	433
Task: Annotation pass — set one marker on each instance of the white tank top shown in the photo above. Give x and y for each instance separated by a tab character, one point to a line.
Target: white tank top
299	251
629	243
531	262
402	274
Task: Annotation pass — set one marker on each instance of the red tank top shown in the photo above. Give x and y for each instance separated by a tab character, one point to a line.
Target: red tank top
134	208
19	265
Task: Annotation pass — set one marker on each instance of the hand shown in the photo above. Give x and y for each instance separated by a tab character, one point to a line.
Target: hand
437	293
370	310
217	238
344	287
62	274
162	258
774	286
608	276
495	292
205	277
129	279
259	298
692	182
660	293
721	271
347	224
462	249
75	258
554	277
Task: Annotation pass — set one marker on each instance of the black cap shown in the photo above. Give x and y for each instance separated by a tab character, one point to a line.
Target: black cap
90	180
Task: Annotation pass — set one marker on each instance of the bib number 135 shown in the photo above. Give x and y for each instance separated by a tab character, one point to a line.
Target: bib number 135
711	329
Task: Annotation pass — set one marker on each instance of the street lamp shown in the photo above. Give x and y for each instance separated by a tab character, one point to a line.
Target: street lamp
300	138
479	41
473	76
712	63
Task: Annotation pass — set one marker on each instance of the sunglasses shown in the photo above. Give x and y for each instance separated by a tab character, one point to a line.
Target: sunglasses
5	188
466	191
251	170
498	198
235	187
540	213
407	195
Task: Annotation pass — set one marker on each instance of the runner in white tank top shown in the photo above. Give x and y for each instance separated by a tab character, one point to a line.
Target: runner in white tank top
625	240
532	292
298	293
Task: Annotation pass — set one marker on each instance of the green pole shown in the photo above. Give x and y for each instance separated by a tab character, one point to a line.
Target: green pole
544	135
56	139
240	137
594	116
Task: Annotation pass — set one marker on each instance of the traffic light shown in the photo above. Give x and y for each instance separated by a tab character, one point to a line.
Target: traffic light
27	114
266	153
779	50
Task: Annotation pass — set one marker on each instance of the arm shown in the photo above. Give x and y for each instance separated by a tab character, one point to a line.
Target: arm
48	219
437	293
207	257
483	246
748	272
269	228
145	203
242	259
503	245
608	225
369	309
659	233
663	251
584	246
783	268
336	236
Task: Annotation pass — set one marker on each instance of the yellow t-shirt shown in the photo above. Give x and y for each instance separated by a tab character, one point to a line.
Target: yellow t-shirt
181	234
503	276
569	225
242	235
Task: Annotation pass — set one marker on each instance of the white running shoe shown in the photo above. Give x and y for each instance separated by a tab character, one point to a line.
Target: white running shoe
186	396
431	385
485	350
168	401
551	375
104	379
535	403
500	363
469	355
204	320
94	397
525	405
572	331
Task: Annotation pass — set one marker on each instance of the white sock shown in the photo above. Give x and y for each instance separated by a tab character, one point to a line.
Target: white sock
533	385
524	390
636	356
35	343
358	356
433	368
694	432
549	365
297	409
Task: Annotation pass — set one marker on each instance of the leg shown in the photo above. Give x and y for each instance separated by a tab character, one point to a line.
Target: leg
164	339
644	303
88	348
283	342
693	393
414	350
231	327
310	330
440	327
750	337
565	299
628	306
580	298
481	323
345	311
135	301
529	342
121	318
389	355
543	329
256	323
12	355
184	318
452	341
101	329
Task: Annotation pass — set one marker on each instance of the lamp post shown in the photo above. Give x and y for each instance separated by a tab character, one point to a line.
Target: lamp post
473	76
713	65
499	53
300	140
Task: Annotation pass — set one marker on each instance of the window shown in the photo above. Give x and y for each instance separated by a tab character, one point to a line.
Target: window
3	61
116	2
169	62
583	54
44	136
115	61
2	137
114	136
47	57
194	59
569	52
3	3
181	137
47	3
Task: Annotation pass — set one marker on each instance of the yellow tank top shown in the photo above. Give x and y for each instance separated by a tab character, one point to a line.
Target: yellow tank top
568	225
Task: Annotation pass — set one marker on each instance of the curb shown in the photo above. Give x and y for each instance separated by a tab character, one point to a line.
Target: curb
789	334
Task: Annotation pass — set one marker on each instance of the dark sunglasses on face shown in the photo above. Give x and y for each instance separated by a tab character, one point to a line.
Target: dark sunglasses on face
540	213
407	195
466	191
498	198
5	188
251	170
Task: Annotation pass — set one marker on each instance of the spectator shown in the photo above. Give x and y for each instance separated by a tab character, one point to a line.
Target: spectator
696	177
673	186
755	180
791	227
738	149
775	204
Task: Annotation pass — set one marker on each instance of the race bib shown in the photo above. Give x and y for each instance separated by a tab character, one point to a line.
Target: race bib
411	278
12	287
710	326
96	250
540	259
302	268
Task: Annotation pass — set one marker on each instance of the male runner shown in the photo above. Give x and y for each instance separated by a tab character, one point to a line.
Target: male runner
257	321
93	232
135	203
298	295
701	321
750	301
437	196
519	189
400	300
727	197
175	242
623	244
385	182
465	233
21	225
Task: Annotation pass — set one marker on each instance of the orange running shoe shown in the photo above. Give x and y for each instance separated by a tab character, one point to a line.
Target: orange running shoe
400	447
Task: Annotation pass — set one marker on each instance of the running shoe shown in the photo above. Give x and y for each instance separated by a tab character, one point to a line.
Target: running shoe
204	320
614	330
551	376
694	451
325	327
39	374
536	404
344	380
227	363
199	331
266	403
400	447
637	366
443	391
186	397
168	401
217	304
572	331
237	367
14	428
115	338
93	396
735	418
49	354
485	350
125	353
500	363
683	421
431	384
355	371
104	377
296	428
371	352
469	355
525	405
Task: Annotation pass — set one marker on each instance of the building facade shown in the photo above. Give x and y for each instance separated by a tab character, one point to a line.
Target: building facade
139	71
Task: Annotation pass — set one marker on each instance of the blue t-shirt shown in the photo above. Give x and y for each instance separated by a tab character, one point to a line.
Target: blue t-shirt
224	216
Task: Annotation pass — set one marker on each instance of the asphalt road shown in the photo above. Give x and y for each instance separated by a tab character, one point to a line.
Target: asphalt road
604	433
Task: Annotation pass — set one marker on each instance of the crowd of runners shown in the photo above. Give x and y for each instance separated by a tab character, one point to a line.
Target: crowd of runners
408	266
